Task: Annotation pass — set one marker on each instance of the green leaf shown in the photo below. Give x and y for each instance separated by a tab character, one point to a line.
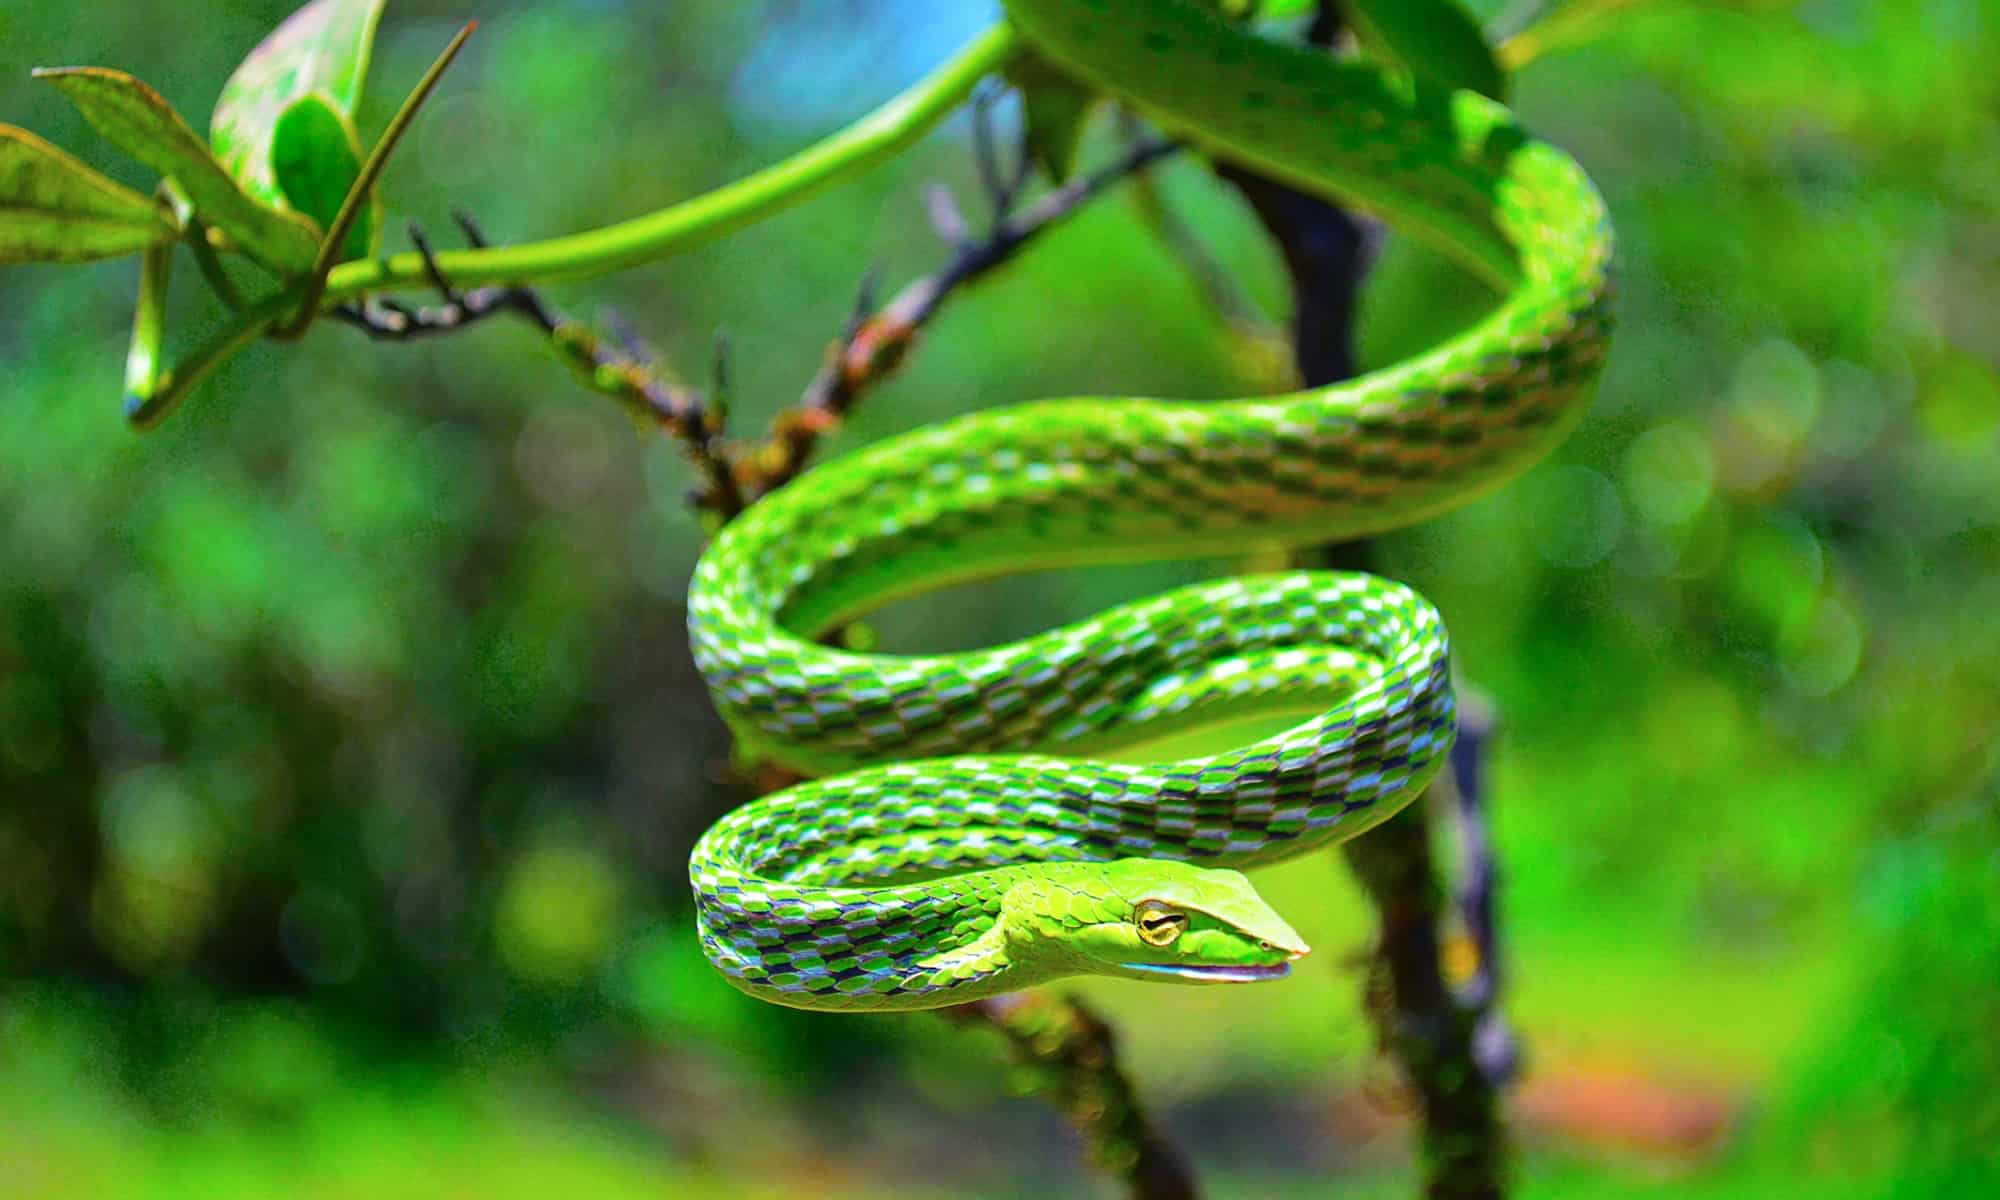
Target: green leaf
322	49
53	208
136	118
316	157
1056	108
1434	39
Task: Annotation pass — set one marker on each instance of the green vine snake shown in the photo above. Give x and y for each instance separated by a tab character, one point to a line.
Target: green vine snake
987	821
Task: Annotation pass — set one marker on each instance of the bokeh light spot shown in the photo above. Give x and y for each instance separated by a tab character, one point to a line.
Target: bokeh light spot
1575	515
1669	473
557	913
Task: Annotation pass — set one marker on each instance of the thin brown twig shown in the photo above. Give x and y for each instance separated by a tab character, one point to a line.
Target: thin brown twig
875	342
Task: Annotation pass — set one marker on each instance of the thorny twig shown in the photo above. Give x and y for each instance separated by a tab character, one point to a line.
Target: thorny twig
875	342
624	376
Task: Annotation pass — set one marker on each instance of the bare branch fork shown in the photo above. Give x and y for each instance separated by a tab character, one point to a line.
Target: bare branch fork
875	342
625	375
868	351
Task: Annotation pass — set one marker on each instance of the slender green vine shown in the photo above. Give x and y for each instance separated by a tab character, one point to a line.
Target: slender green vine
871	139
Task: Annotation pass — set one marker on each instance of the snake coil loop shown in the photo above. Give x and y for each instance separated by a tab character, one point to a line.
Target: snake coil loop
995	819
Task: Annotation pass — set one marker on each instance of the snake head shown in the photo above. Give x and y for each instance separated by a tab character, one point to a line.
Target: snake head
1154	919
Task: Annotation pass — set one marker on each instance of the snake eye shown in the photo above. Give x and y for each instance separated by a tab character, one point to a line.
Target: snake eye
1158	924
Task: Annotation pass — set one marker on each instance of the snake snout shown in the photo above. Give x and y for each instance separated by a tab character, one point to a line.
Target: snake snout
1285	942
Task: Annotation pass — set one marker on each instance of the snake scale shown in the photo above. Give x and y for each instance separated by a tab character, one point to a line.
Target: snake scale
985	821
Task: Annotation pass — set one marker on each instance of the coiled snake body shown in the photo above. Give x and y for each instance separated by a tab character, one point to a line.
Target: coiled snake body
990	820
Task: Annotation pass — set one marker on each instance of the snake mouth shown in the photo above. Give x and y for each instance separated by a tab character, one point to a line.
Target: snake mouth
1196	973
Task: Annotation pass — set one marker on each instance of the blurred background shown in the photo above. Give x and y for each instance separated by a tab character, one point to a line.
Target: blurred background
350	752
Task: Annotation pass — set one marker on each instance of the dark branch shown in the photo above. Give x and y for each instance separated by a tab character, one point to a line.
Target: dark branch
869	350
1464	1154
1474	893
389	321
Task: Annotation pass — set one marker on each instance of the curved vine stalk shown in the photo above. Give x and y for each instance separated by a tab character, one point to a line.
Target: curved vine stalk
873	138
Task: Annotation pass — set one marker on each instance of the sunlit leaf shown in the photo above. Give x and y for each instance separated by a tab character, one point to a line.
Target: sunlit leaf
322	49
55	209
1435	39
1055	108
316	157
140	122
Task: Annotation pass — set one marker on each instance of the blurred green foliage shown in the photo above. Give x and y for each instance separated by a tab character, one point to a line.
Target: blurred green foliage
350	751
